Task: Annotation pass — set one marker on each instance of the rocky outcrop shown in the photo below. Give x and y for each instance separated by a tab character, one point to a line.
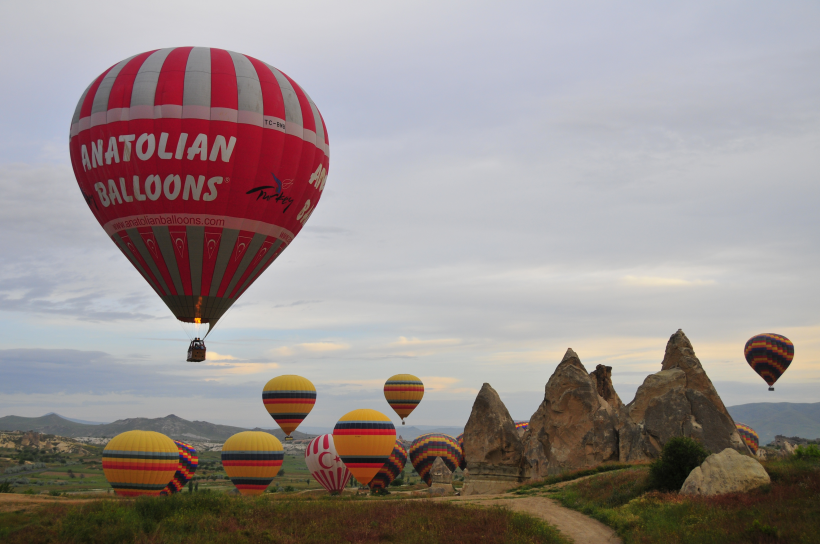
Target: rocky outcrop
725	472
680	400
575	426
492	447
441	476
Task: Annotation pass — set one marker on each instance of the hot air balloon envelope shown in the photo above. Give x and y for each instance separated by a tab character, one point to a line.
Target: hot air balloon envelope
427	447
289	399
252	459
325	465
769	355
201	165
403	393
749	437
364	439
140	463
391	468
188	462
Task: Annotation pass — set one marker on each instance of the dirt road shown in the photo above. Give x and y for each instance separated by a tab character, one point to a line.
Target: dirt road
574	525
10	502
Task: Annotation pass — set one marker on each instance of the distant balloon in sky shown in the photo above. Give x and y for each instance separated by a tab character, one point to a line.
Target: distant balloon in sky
201	165
252	460
749	437
364	439
769	355
289	399
403	393
392	467
522	425
139	463
188	463
427	447
325	465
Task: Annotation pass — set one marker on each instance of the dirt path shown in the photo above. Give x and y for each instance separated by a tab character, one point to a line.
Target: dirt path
574	525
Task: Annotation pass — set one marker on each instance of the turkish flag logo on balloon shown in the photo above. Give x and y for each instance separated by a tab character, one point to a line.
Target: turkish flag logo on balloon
201	165
325	465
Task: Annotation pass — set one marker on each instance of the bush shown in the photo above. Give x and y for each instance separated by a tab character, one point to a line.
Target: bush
5	487
679	457
807	452
397	482
289	489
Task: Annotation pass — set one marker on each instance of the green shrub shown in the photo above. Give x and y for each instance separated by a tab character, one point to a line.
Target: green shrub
810	451
5	487
397	482
679	457
289	489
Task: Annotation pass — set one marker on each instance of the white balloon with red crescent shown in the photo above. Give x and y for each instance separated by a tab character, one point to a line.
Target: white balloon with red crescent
325	465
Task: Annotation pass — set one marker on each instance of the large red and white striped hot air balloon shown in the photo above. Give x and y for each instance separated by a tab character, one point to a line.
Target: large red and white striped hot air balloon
325	465
201	165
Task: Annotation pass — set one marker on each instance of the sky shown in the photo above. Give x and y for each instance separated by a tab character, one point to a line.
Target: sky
506	181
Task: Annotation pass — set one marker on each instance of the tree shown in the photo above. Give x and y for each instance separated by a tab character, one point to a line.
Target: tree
190	487
196	486
680	456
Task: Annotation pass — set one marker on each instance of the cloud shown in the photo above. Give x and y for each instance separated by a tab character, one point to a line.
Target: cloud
442	384
405	342
650	281
214	356
309	347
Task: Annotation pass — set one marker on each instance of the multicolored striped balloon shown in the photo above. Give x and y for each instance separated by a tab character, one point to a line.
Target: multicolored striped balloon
252	460
403	393
188	461
769	355
364	439
289	399
427	447
749	437
460	439
391	468
522	425
140	463
325	465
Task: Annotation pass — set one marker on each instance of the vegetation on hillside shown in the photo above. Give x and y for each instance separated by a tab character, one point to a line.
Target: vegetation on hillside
215	517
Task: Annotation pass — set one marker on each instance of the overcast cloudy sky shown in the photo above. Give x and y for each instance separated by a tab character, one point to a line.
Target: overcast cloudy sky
506	180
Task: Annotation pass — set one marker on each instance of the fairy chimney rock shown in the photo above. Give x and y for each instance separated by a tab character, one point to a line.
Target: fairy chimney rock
680	400
575	426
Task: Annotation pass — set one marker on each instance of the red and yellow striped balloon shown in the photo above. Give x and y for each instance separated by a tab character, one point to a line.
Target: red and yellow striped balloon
749	436
289	399
252	460
364	440
403	393
140	463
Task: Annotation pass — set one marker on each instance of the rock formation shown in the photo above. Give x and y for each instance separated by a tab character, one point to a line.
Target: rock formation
575	426
583	423
441	477
725	472
680	400
492	447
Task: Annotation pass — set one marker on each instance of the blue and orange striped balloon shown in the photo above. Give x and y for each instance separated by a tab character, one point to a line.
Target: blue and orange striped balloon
427	447
391	468
749	437
252	460
139	463
188	462
364	439
769	355
289	399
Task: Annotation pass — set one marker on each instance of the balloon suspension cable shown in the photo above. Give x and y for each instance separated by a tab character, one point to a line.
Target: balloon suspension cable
184	330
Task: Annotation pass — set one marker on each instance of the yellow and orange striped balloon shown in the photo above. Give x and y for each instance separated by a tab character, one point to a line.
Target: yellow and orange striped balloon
289	399
364	440
140	463
403	393
252	460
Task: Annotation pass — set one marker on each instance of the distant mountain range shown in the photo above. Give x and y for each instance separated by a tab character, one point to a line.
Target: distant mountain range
772	418
173	426
767	418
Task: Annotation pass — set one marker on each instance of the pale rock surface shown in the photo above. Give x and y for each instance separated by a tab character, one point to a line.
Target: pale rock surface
441	476
575	426
680	400
725	472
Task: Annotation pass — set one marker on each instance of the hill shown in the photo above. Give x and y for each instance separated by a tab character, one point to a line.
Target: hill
171	425
772	418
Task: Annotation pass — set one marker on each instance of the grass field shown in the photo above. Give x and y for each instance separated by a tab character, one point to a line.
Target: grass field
786	511
217	517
